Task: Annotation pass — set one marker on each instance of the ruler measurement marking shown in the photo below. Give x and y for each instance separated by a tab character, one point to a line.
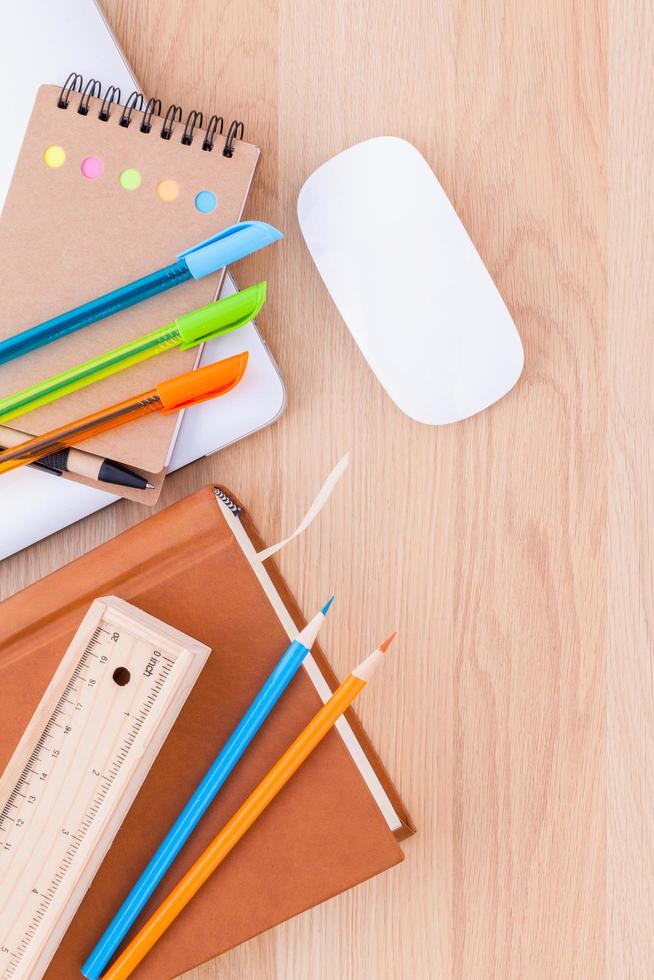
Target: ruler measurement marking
81	803
89	817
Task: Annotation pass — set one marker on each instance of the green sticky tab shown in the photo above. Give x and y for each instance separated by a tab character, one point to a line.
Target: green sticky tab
227	314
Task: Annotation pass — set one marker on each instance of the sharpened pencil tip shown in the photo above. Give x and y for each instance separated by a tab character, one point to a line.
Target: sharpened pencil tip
325	608
387	642
367	667
308	635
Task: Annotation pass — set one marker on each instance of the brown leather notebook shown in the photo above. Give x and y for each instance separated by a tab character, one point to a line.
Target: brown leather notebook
339	820
66	239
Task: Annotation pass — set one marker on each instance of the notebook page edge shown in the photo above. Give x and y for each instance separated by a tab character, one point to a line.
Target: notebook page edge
343	726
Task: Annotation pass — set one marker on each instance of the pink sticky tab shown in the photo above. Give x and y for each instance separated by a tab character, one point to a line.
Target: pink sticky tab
92	167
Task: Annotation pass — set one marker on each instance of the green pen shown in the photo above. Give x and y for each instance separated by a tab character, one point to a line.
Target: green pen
187	331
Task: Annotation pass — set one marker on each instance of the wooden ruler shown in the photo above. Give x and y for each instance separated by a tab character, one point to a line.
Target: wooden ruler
78	767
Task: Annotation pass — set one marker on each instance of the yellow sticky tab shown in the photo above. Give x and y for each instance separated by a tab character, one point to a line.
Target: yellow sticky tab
54	157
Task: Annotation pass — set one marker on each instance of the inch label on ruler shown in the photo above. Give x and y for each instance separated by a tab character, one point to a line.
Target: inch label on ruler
78	767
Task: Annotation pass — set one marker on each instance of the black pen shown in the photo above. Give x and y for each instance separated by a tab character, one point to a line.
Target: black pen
71	460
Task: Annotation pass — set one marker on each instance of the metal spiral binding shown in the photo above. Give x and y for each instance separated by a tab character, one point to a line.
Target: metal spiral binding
111	95
154	105
135	101
235	132
73	83
173	115
210	135
227	501
92	88
194	120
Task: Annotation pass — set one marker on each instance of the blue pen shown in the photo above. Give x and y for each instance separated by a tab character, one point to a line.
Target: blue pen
200	260
214	778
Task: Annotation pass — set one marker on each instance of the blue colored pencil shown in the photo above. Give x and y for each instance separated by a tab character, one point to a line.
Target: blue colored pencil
204	795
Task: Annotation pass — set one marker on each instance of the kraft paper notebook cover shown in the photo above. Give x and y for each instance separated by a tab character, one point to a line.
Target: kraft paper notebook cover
65	239
339	820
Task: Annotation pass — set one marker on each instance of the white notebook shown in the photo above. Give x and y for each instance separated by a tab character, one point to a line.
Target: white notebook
41	41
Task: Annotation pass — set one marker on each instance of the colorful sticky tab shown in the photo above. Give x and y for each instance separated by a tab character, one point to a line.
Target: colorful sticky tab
205	201
54	157
92	167
130	179
168	190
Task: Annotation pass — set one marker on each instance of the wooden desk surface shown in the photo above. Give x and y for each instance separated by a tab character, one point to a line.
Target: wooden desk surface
509	550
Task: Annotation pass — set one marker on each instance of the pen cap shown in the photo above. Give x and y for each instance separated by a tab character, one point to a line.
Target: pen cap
221	317
199	386
228	246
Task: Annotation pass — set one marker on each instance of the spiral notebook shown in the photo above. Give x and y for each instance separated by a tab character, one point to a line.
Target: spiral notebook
131	186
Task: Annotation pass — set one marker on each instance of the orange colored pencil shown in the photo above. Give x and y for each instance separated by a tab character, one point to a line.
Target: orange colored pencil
243	819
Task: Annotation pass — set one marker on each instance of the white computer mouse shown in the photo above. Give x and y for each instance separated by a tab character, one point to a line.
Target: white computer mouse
408	281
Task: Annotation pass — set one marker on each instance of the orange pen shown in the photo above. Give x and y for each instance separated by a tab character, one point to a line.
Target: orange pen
169	396
256	803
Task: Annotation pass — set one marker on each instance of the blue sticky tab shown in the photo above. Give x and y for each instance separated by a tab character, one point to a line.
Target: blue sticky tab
228	246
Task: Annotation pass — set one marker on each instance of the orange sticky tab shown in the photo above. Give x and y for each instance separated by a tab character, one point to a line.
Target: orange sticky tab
199	386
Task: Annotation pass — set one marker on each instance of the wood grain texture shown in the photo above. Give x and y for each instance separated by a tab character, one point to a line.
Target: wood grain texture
511	550
630	684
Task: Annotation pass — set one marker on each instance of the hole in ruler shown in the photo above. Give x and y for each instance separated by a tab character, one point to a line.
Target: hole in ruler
121	676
